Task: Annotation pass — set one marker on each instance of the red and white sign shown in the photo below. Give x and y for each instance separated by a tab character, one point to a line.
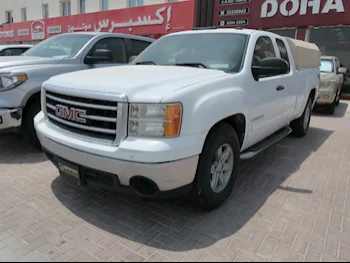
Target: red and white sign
146	20
282	13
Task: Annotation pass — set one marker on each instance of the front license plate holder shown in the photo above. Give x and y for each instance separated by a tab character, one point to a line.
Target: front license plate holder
70	171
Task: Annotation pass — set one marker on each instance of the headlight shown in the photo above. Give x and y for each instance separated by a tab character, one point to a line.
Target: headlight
155	120
330	82
10	81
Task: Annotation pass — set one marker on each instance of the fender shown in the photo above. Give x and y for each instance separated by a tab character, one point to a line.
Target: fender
204	105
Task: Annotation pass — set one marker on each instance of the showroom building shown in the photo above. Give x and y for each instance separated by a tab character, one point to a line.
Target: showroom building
152	20
323	22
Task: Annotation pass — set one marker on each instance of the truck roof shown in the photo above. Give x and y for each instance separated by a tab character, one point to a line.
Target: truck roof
112	34
219	30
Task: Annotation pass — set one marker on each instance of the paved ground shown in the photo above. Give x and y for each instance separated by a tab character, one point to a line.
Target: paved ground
292	203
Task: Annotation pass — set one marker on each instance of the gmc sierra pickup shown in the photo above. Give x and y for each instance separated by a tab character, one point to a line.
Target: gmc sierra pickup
182	115
21	77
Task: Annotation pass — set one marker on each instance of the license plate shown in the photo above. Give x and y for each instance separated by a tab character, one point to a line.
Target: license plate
69	170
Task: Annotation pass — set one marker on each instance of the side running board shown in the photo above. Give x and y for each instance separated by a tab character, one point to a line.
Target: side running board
257	148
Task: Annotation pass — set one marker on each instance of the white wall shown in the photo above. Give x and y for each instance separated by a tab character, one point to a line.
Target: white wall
34	7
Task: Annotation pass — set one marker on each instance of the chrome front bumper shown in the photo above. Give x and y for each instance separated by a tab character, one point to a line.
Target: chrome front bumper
10	119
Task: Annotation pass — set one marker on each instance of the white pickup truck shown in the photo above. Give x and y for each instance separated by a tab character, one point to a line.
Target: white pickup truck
179	119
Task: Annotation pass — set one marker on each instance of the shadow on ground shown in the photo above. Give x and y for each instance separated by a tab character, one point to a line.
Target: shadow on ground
340	111
176	226
14	149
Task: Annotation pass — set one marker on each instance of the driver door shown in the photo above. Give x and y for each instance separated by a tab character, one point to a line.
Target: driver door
114	44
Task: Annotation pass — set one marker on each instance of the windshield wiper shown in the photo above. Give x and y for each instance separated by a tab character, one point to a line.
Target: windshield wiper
195	64
145	63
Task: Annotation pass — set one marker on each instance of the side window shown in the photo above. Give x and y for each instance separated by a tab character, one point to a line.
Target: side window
283	50
263	49
113	44
137	46
11	52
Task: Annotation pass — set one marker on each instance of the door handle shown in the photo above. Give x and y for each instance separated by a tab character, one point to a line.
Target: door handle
280	88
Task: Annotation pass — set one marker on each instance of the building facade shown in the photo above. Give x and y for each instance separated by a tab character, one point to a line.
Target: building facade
146	20
14	11
323	22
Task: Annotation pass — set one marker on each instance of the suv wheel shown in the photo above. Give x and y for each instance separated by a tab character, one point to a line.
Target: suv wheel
331	107
218	168
28	124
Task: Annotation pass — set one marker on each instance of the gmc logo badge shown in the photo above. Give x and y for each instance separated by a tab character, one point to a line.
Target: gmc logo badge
71	114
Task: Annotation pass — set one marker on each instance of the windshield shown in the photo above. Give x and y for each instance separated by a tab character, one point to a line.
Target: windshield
326	66
223	51
61	46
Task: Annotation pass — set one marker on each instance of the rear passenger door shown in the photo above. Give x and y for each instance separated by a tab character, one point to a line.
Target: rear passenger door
288	95
135	47
114	44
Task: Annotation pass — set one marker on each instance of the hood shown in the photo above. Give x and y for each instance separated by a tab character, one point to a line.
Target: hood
140	83
14	61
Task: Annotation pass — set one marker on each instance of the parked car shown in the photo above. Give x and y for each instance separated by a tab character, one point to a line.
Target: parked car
180	117
332	78
13	50
22	76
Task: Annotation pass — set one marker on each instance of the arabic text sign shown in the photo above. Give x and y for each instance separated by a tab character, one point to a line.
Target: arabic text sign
146	20
233	12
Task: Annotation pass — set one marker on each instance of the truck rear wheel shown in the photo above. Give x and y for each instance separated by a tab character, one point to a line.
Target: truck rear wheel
28	129
218	168
301	126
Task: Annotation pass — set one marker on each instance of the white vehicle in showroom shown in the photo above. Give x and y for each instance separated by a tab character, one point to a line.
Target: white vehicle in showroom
182	115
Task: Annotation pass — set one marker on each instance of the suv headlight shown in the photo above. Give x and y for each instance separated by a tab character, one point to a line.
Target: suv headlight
330	82
10	81
155	120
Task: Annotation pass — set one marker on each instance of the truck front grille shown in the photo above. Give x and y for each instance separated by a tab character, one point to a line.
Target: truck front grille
89	117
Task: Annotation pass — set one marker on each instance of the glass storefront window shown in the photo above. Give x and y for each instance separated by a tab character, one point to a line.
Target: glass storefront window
334	42
284	32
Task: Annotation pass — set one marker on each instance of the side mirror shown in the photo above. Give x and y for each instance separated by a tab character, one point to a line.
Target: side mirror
342	70
132	58
99	55
269	67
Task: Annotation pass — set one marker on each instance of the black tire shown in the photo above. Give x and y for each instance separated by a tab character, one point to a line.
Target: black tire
204	195
28	129
298	127
329	109
338	99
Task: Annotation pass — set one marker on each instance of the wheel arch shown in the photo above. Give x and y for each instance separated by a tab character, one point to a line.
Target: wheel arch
236	121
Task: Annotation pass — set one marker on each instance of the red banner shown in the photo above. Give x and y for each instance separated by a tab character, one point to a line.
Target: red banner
146	20
267	14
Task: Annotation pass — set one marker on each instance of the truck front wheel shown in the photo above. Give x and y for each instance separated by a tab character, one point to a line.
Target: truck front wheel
28	129
218	167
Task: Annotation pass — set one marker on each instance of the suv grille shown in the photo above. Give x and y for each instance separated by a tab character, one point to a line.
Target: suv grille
90	117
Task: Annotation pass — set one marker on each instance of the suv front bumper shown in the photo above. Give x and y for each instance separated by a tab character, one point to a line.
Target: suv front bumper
10	119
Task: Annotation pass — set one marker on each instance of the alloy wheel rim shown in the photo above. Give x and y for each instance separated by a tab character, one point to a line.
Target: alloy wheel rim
222	168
